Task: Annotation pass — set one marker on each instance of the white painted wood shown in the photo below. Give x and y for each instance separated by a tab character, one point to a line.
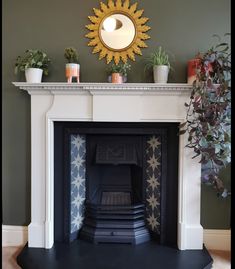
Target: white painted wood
40	104
129	102
116	108
217	239
69	107
14	235
49	222
76	88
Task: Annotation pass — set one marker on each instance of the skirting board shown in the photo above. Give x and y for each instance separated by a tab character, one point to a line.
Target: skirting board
217	239
213	239
14	235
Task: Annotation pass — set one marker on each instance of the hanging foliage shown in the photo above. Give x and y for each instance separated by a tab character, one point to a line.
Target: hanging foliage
208	120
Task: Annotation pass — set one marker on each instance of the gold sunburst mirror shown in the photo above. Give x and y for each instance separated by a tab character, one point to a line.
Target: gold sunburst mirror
117	31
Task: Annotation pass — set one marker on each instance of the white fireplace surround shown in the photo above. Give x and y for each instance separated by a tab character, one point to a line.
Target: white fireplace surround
128	102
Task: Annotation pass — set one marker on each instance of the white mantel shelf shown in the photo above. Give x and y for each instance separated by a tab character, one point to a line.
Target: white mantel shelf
103	88
107	102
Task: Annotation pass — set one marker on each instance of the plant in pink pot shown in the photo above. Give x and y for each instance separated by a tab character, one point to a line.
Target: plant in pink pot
72	68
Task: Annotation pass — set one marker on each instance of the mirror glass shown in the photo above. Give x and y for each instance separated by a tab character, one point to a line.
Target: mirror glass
117	31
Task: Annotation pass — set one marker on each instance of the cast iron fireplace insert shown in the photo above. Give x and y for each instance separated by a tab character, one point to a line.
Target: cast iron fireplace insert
119	202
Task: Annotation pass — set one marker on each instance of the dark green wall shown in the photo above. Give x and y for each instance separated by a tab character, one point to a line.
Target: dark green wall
183	27
215	211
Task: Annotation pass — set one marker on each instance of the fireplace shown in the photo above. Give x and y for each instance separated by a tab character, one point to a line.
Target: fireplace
116	182
104	102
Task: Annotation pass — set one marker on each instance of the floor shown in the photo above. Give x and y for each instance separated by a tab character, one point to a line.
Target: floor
222	259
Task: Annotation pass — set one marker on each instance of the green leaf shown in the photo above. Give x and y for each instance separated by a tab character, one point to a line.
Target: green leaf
33	58
182	132
217	148
203	142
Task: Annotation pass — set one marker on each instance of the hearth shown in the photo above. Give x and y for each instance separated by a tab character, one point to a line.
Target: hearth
84	255
116	182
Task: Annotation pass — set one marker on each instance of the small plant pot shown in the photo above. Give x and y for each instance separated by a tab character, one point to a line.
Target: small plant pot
124	79
117	78
160	73
33	75
72	70
193	64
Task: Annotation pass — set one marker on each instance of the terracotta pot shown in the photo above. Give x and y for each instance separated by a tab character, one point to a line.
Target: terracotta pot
72	70
117	78
192	66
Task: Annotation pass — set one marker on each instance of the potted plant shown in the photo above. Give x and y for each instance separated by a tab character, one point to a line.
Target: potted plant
192	67
72	68
208	121
160	63
34	63
118	72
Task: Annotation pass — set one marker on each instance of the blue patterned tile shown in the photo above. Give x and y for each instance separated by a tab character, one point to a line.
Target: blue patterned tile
78	177
153	182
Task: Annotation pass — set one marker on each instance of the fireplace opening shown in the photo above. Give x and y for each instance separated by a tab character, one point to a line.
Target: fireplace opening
114	206
116	182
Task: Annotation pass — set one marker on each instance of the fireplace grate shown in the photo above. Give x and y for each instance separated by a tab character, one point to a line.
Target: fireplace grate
115	224
116	198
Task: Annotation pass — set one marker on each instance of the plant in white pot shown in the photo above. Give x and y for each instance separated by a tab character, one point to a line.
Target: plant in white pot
34	63
72	68
160	63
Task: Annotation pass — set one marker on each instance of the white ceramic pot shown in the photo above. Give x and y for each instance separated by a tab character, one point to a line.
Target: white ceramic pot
160	73
33	75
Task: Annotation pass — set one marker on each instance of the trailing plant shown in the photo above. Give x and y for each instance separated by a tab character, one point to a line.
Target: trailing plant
71	55
32	59
208	120
158	57
121	68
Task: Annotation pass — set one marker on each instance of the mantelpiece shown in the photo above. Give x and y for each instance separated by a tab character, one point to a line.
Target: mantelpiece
128	102
128	87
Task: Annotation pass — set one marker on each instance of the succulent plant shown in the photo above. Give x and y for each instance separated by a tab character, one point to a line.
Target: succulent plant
158	57
71	55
